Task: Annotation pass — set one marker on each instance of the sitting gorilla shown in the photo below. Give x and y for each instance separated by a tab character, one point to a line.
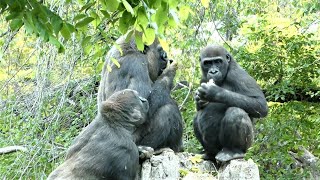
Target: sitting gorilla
138	71
167	127
105	149
226	101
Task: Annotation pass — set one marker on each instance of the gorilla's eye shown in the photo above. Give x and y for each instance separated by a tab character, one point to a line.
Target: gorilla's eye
207	63
228	57
218	61
164	55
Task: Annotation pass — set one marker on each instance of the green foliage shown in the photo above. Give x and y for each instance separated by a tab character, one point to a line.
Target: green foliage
282	55
46	130
287	127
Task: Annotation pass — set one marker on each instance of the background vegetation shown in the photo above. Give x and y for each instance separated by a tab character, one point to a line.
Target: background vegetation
52	53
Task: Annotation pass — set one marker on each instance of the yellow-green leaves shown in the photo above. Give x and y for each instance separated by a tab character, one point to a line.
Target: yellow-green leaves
115	61
149	36
128	7
139	43
164	44
205	3
111	5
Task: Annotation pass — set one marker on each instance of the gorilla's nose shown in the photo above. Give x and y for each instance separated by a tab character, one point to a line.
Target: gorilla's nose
213	71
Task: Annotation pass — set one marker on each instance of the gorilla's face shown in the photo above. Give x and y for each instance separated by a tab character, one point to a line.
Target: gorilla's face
214	64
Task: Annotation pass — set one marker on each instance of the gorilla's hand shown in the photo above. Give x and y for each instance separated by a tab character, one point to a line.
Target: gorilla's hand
209	91
200	104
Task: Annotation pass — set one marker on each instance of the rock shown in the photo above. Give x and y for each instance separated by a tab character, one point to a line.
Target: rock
188	166
239	169
160	167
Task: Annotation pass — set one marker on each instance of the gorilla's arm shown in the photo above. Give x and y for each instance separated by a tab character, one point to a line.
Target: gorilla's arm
254	104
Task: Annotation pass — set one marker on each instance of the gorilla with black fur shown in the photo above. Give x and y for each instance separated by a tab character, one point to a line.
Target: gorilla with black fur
166	127
106	148
138	71
226	102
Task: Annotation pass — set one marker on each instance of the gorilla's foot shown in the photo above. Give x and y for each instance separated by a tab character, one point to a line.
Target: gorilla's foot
145	152
226	155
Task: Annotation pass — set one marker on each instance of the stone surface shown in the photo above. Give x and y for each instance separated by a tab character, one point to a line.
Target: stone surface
161	167
239	169
188	166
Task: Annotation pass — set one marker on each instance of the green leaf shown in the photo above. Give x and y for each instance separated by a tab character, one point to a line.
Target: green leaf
15	24
125	22
57	23
84	22
149	36
115	61
142	18
105	14
128	7
79	16
13	15
112	5
85	41
139	42
87	6
65	32
53	40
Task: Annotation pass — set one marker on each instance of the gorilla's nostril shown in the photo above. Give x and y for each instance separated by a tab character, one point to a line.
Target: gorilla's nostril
213	71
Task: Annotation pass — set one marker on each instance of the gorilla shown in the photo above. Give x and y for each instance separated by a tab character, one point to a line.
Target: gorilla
139	71
227	101
168	128
105	149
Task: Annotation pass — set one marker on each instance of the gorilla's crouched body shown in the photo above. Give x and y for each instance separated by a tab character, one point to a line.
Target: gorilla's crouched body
227	100
106	148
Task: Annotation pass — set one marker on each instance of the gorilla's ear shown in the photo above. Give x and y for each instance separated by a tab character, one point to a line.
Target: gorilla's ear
228	57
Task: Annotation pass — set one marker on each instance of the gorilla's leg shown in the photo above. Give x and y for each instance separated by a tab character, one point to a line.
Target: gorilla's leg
236	134
208	136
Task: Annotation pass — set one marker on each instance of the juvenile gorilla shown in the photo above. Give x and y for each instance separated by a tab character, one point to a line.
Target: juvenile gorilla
105	149
167	127
226	101
138	71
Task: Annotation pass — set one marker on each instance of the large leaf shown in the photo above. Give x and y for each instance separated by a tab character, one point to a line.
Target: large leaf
149	36
16	24
139	42
128	7
112	5
84	22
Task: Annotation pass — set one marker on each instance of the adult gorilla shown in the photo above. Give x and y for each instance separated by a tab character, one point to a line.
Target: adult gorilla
138	71
226	101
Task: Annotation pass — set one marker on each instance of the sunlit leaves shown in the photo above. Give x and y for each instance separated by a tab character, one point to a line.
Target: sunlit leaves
139	43
128	7
111	5
164	44
148	36
205	3
115	61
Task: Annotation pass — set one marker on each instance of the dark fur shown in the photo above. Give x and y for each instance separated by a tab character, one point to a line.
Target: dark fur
105	149
225	108
138	71
165	121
